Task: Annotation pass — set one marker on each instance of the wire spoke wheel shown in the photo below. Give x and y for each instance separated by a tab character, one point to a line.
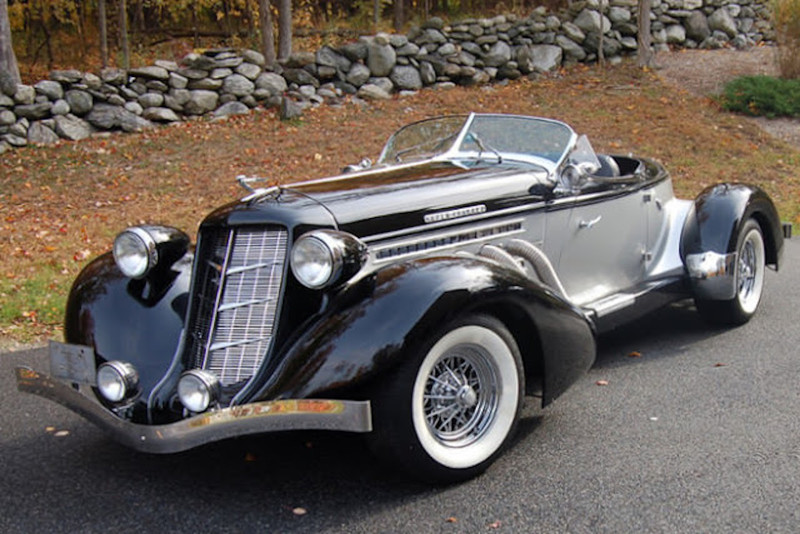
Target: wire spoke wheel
750	275
467	394
460	396
453	405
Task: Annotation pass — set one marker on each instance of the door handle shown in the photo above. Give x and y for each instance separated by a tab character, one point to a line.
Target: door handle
589	224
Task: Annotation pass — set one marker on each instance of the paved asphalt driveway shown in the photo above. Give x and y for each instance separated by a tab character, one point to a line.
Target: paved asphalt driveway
698	434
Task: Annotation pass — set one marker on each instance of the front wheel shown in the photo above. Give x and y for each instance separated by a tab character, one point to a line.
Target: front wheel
452	407
750	267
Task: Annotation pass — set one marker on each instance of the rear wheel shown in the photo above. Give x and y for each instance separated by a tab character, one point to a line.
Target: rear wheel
452	407
750	267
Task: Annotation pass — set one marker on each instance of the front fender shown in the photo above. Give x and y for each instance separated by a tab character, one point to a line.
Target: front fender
135	321
719	213
380	320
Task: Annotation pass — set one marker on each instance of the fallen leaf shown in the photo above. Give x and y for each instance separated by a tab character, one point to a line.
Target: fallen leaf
49	429
61	433
495	525
635	354
249	457
720	364
299	511
602	383
82	255
452	520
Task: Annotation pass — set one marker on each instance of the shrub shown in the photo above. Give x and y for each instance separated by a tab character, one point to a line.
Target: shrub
763	95
786	17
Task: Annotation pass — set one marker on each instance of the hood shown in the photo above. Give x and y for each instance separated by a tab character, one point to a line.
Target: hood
383	200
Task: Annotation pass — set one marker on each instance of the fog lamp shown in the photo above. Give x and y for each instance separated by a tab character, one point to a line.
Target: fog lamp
117	380
198	389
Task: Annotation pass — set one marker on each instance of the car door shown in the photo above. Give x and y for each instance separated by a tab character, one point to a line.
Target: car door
600	239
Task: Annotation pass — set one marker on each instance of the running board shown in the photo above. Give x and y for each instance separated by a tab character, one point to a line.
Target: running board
611	304
619	308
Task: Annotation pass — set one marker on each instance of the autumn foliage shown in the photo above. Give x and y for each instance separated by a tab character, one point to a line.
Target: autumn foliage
51	34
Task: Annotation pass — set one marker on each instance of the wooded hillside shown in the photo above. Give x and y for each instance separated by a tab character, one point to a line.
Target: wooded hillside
50	34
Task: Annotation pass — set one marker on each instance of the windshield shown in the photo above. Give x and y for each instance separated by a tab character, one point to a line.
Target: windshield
422	139
539	141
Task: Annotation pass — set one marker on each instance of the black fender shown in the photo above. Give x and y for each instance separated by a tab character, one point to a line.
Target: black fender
135	321
717	217
373	324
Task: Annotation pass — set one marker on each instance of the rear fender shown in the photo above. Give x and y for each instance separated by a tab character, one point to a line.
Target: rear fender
719	213
378	321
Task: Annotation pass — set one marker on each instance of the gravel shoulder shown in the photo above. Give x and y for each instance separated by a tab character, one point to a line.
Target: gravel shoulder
705	73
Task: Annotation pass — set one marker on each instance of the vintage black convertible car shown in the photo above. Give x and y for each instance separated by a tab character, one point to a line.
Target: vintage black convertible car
417	300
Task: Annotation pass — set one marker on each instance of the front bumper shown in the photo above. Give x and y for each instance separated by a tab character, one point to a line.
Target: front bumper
255	418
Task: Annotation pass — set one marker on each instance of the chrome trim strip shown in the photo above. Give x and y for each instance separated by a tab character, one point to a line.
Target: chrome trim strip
538	205
454	214
215	308
234	305
255	418
244	268
446	240
228	344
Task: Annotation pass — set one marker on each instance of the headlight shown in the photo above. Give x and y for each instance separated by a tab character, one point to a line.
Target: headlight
117	380
323	258
198	389
139	249
135	252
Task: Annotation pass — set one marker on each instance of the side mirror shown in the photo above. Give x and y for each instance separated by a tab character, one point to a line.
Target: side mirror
573	177
362	165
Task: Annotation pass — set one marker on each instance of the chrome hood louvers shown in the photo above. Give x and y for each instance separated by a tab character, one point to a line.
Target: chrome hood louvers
235	300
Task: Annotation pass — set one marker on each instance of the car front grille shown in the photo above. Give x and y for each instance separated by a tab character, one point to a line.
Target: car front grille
235	299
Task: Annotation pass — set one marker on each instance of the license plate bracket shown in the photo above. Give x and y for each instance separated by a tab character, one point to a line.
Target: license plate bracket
73	363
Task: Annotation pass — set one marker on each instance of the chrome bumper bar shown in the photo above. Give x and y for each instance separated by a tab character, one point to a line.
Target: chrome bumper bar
713	275
255	418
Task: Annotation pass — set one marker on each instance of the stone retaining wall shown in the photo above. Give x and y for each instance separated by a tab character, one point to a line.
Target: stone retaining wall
72	105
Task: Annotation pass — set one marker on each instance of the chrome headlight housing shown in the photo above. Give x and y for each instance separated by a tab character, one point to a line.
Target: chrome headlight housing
135	252
324	258
139	249
198	390
117	380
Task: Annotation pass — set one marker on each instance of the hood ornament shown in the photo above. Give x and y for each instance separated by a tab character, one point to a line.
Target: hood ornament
256	193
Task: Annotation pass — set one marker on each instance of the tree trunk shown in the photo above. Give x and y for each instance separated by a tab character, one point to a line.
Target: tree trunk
601	55
248	14
645	55
398	15
138	17
8	60
376	15
228	25
103	27
123	35
196	41
48	42
267	33
284	29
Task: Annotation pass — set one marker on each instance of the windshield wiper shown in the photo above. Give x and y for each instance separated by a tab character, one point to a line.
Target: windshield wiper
485	147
